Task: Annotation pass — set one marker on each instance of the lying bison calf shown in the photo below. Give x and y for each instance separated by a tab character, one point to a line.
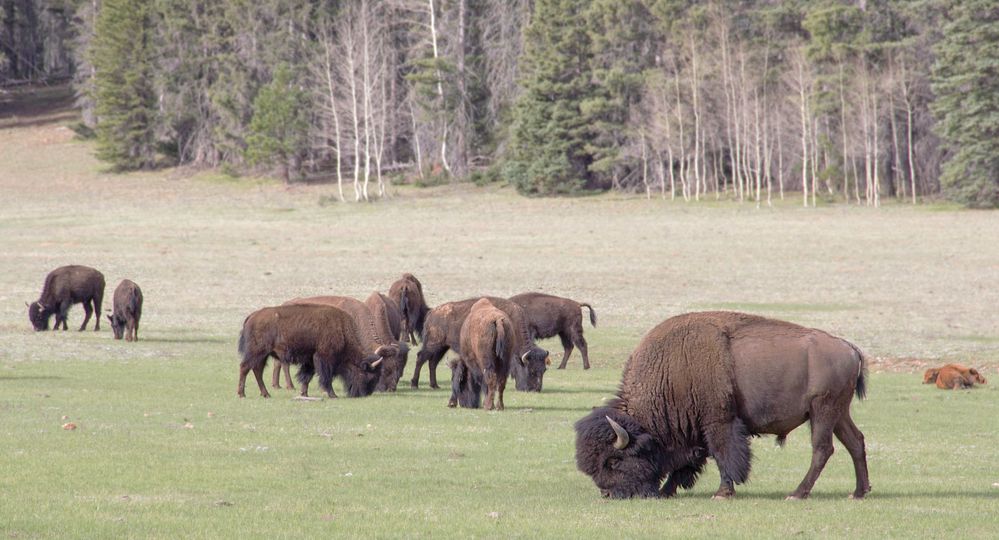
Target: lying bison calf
321	339
65	286
127	310
713	380
953	377
550	316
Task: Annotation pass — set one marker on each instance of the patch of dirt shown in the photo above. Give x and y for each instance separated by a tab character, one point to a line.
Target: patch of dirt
918	365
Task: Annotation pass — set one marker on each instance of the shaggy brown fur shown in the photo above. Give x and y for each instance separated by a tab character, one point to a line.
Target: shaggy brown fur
956	376
390	309
487	353
127	311
65	286
930	376
373	332
712	380
442	331
553	315
407	292
321	339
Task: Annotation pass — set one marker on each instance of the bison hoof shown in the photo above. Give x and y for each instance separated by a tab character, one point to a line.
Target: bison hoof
452	404
435	387
795	497
717	497
857	496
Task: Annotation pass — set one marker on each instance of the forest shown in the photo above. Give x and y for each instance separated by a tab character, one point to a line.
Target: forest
812	100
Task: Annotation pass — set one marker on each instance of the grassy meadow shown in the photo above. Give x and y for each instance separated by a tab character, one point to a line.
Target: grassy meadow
164	449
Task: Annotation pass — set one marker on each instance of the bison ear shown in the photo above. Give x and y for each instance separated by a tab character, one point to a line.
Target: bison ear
973	371
548	359
387	350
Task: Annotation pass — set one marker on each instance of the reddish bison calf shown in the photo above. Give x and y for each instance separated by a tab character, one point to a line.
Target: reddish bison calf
321	339
487	351
953	377
550	315
65	286
127	311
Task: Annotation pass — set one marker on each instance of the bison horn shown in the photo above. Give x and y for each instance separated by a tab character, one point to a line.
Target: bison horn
376	363
622	435
523	358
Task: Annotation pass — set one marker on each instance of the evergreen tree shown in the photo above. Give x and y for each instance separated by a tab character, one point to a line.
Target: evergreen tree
125	102
966	82
547	154
278	127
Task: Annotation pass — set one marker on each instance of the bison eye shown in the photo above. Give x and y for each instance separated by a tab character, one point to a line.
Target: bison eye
612	463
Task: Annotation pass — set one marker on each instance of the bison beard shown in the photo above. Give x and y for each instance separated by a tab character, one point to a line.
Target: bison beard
711	381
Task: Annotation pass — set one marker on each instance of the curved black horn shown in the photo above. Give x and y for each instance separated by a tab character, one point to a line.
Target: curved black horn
622	435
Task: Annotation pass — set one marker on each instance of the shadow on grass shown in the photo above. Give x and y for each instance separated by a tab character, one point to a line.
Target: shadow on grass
873	496
31	378
185	340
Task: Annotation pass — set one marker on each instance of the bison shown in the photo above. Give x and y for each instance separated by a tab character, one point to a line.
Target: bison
407	292
442	331
321	339
373	332
383	305
953	377
550	315
65	286
712	380
487	337
127	310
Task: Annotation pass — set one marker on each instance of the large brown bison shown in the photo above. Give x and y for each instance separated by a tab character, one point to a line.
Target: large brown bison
65	286
407	292
321	339
953	377
551	316
487	351
373	332
712	380
127	310
442	332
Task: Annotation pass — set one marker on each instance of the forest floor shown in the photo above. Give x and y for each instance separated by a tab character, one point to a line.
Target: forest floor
165	449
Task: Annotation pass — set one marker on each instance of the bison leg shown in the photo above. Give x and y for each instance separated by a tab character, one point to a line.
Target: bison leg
62	314
88	311
499	393
580	341
684	477
276	375
241	387
567	345
258	373
822	421
728	444
422	358
491	385
851	437
97	300
287	375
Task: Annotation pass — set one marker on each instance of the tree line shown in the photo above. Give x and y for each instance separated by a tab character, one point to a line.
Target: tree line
751	100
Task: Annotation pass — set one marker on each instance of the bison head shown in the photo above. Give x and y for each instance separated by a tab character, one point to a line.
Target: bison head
975	376
466	389
529	369
930	376
39	315
393	367
362	382
117	326
623	460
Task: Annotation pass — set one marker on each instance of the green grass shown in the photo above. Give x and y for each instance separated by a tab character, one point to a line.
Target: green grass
901	282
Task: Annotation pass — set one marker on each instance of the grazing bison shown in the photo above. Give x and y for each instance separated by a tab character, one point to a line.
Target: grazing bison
442	331
65	286
127	311
383	305
373	332
712	380
487	337
321	339
407	292
953	377
553	315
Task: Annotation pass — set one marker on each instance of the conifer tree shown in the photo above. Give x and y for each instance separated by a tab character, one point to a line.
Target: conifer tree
125	102
547	154
278	127
966	83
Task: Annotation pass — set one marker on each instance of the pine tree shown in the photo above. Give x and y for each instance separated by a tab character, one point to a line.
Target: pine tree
547	154
966	82
278	127
125	102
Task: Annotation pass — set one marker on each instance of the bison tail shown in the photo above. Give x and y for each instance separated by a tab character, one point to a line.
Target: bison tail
861	389
241	347
593	314
500	339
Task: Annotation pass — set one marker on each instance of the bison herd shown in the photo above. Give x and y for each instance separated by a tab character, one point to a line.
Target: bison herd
698	385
